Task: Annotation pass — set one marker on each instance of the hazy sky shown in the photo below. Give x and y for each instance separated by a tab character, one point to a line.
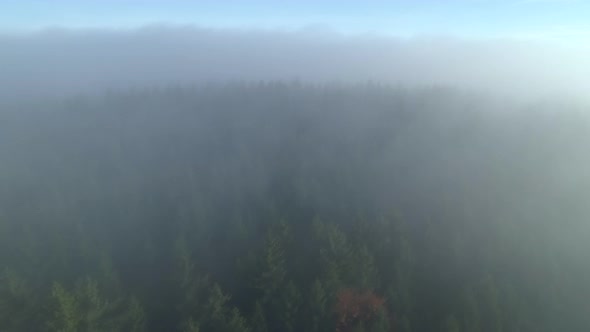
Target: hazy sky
565	20
518	47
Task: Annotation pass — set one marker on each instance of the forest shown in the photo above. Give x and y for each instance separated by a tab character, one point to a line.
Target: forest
289	207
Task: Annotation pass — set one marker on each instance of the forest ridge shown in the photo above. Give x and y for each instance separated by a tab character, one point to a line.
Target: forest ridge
275	207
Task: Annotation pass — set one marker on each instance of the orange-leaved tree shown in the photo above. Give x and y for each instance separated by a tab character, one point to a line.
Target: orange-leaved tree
354	307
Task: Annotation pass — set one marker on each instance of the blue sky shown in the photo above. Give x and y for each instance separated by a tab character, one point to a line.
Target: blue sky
464	18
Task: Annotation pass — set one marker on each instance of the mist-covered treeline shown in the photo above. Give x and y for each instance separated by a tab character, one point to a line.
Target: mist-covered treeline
291	207
59	62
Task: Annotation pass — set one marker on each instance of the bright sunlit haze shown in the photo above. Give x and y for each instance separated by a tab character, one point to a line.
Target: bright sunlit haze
289	166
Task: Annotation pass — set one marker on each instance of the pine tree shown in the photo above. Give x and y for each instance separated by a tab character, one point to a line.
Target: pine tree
335	257
20	308
271	280
190	326
363	271
137	316
192	288
219	316
68	316
289	307
84	309
318	308
235	322
258	321
272	267
216	303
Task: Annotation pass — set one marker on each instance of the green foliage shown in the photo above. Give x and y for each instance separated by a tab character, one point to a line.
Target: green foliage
251	207
84	309
191	326
335	255
366	276
236	323
259	319
318	308
19	305
137	318
272	267
192	288
288	309
219	316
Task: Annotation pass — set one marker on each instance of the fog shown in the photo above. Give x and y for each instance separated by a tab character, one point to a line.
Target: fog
64	61
202	180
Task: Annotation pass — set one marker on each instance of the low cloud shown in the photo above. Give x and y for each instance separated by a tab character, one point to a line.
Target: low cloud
61	62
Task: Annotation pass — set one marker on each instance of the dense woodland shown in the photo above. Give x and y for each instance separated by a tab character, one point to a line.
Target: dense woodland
278	207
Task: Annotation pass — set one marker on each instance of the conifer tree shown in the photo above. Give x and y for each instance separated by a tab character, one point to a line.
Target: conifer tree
20	307
84	309
258	320
318	308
